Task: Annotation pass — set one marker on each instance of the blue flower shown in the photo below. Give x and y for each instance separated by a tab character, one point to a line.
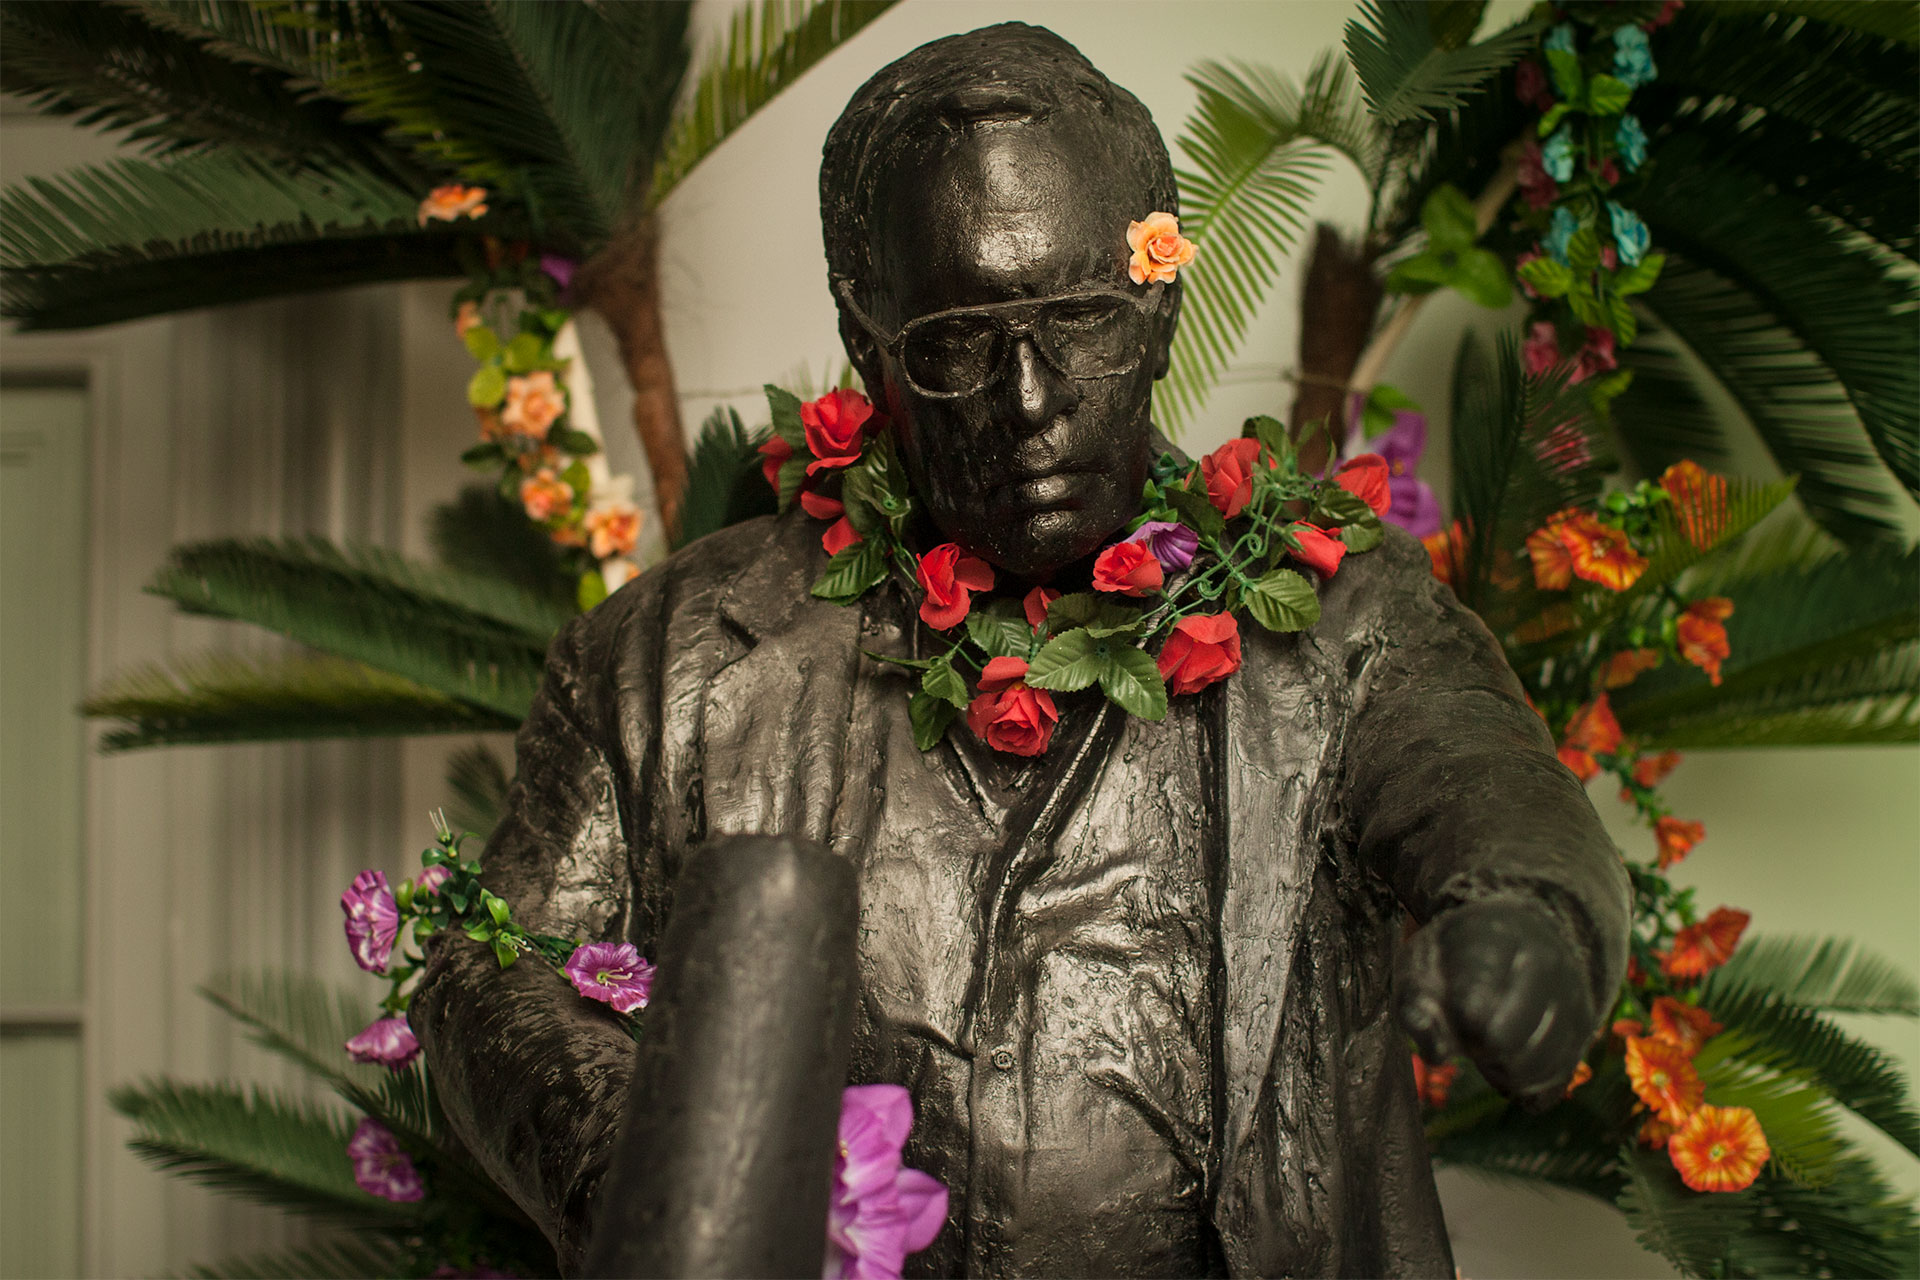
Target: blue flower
1632	141
1557	155
1564	225
1632	59
1629	233
1561	38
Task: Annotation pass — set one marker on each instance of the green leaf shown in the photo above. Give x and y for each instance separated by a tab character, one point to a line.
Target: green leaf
1196	512
1583	252
724	483
1639	277
482	343
1550	279
1272	433
852	572
1100	616
1587	309
1363	535
1131	680
337	1260
1555	114
487	453
1001	630
578	443
1072	660
943	682
1607	96
785	408
505	952
1405	71
930	717
1334	505
1620	318
1448	218
1283	600
1482	277
523	353
1568	79
1834	975
487	387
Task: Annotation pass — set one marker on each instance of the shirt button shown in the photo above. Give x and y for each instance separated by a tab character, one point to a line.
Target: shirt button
1003	1059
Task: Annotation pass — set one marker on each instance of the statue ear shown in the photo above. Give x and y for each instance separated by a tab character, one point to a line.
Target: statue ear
1164	325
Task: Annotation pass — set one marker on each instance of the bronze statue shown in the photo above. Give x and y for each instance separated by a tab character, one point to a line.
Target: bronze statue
1149	989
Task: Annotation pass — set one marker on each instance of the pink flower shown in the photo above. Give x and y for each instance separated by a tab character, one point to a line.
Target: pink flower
453	202
950	576
836	426
380	1167
1127	568
373	920
1542	347
1536	184
545	495
1159	250
612	973
467	318
430	880
389	1042
1594	358
1530	86
878	1211
613	530
1171	542
534	403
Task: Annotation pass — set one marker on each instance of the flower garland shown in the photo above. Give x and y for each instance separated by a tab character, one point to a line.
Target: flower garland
1210	540
879	1211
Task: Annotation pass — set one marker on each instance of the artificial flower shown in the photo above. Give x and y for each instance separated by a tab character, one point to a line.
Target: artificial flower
1531	87
1650	771
1654	1132
1719	1149
1629	233
1009	716
1560	39
430	880
1559	233
1035	605
466	318
773	455
878	1211
1699	501
545	495
452	202
1556	619
1173	544
1624	668
1676	837
1128	569
613	530
558	268
534	403
1595	355
1668	11
839	536
1411	503
1367	477
373	920
1318	550
1581	1074
1564	448
1557	155
612	973
1203	648
1702	634
1632	58
1593	731
390	1042
1440	550
1662	1074
820	506
617	573
1433	1082
1631	138
380	1166
1159	250
950	576
1701	948
1541	350
1609	175
1228	473
1683	1024
1548	554
1537	186
1602	553
836	425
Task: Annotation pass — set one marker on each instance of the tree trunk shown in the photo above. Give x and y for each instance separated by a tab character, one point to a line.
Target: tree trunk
622	283
1337	306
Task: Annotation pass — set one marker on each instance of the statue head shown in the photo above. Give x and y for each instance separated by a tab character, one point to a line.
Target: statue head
975	196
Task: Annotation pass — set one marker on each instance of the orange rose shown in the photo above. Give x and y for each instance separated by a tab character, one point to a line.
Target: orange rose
1159	250
1700	948
1662	1075
1699	501
1676	838
1702	637
1202	649
1686	1025
1719	1149
1007	715
1650	771
545	495
453	202
613	530
534	403
1624	668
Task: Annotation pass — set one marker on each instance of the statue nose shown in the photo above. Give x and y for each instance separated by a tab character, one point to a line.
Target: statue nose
1038	392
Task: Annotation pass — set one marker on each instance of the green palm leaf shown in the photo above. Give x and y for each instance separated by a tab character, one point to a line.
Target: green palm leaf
479	784
1413	62
1570	1145
485	535
724	484
224	698
1873	17
1855	1225
1798	1118
338	1260
1692	1231
1829	974
766	49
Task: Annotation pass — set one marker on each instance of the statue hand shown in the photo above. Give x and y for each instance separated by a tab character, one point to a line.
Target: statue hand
1500	982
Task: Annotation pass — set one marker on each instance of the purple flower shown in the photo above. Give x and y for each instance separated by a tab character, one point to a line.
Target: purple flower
389	1042
612	973
1171	543
430	880
373	921
560	268
879	1212
380	1167
1412	504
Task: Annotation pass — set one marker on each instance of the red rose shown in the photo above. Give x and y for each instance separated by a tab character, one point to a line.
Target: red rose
949	576
1228	472
1008	716
1366	478
776	452
839	536
1202	649
1035	606
820	506
834	425
1319	550
1127	568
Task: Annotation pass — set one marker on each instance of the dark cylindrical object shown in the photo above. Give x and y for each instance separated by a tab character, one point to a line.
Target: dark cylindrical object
725	1155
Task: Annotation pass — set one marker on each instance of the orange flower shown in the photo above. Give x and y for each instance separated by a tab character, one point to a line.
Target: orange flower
545	495
1686	1025
1440	549
1602	553
1703	947
1676	838
1552	561
1581	1074
1654	1132
1719	1149
613	530
1703	638
1554	620
1626	1028
1662	1075
1159	250
1433	1082
1624	668
1649	771
453	202
533	404
1699	501
468	317
1593	731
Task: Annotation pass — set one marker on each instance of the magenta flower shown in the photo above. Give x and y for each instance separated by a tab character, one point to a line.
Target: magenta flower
1171	543
389	1042
380	1167
373	921
559	269
1541	350
612	973
430	880
879	1212
1411	501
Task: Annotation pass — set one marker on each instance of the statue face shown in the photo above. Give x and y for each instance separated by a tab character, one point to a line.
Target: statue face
1014	358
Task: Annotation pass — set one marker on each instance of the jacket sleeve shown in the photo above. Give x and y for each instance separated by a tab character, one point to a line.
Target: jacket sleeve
1454	791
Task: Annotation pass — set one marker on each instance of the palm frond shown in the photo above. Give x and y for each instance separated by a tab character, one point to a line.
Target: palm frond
1855	1225
1409	72
766	49
1798	1118
724	484
217	698
1569	1146
1692	1231
479	784
482	534
335	1260
1258	147
1834	975
256	1145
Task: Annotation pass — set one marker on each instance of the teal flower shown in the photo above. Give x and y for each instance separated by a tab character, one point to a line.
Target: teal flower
1629	233
1632	59
1632	141
1557	155
1561	38
1564	225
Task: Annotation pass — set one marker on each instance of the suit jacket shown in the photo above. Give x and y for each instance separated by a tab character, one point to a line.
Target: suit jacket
1383	759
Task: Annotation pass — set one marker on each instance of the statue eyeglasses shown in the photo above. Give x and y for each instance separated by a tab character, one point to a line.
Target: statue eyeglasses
960	351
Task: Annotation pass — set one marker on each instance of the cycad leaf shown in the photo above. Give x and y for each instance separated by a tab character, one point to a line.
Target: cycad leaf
1834	975
766	49
337	1260
724	484
1570	1145
225	698
479	784
1856	1225
1406	69
484	535
1897	22
1690	1230
1797	1117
